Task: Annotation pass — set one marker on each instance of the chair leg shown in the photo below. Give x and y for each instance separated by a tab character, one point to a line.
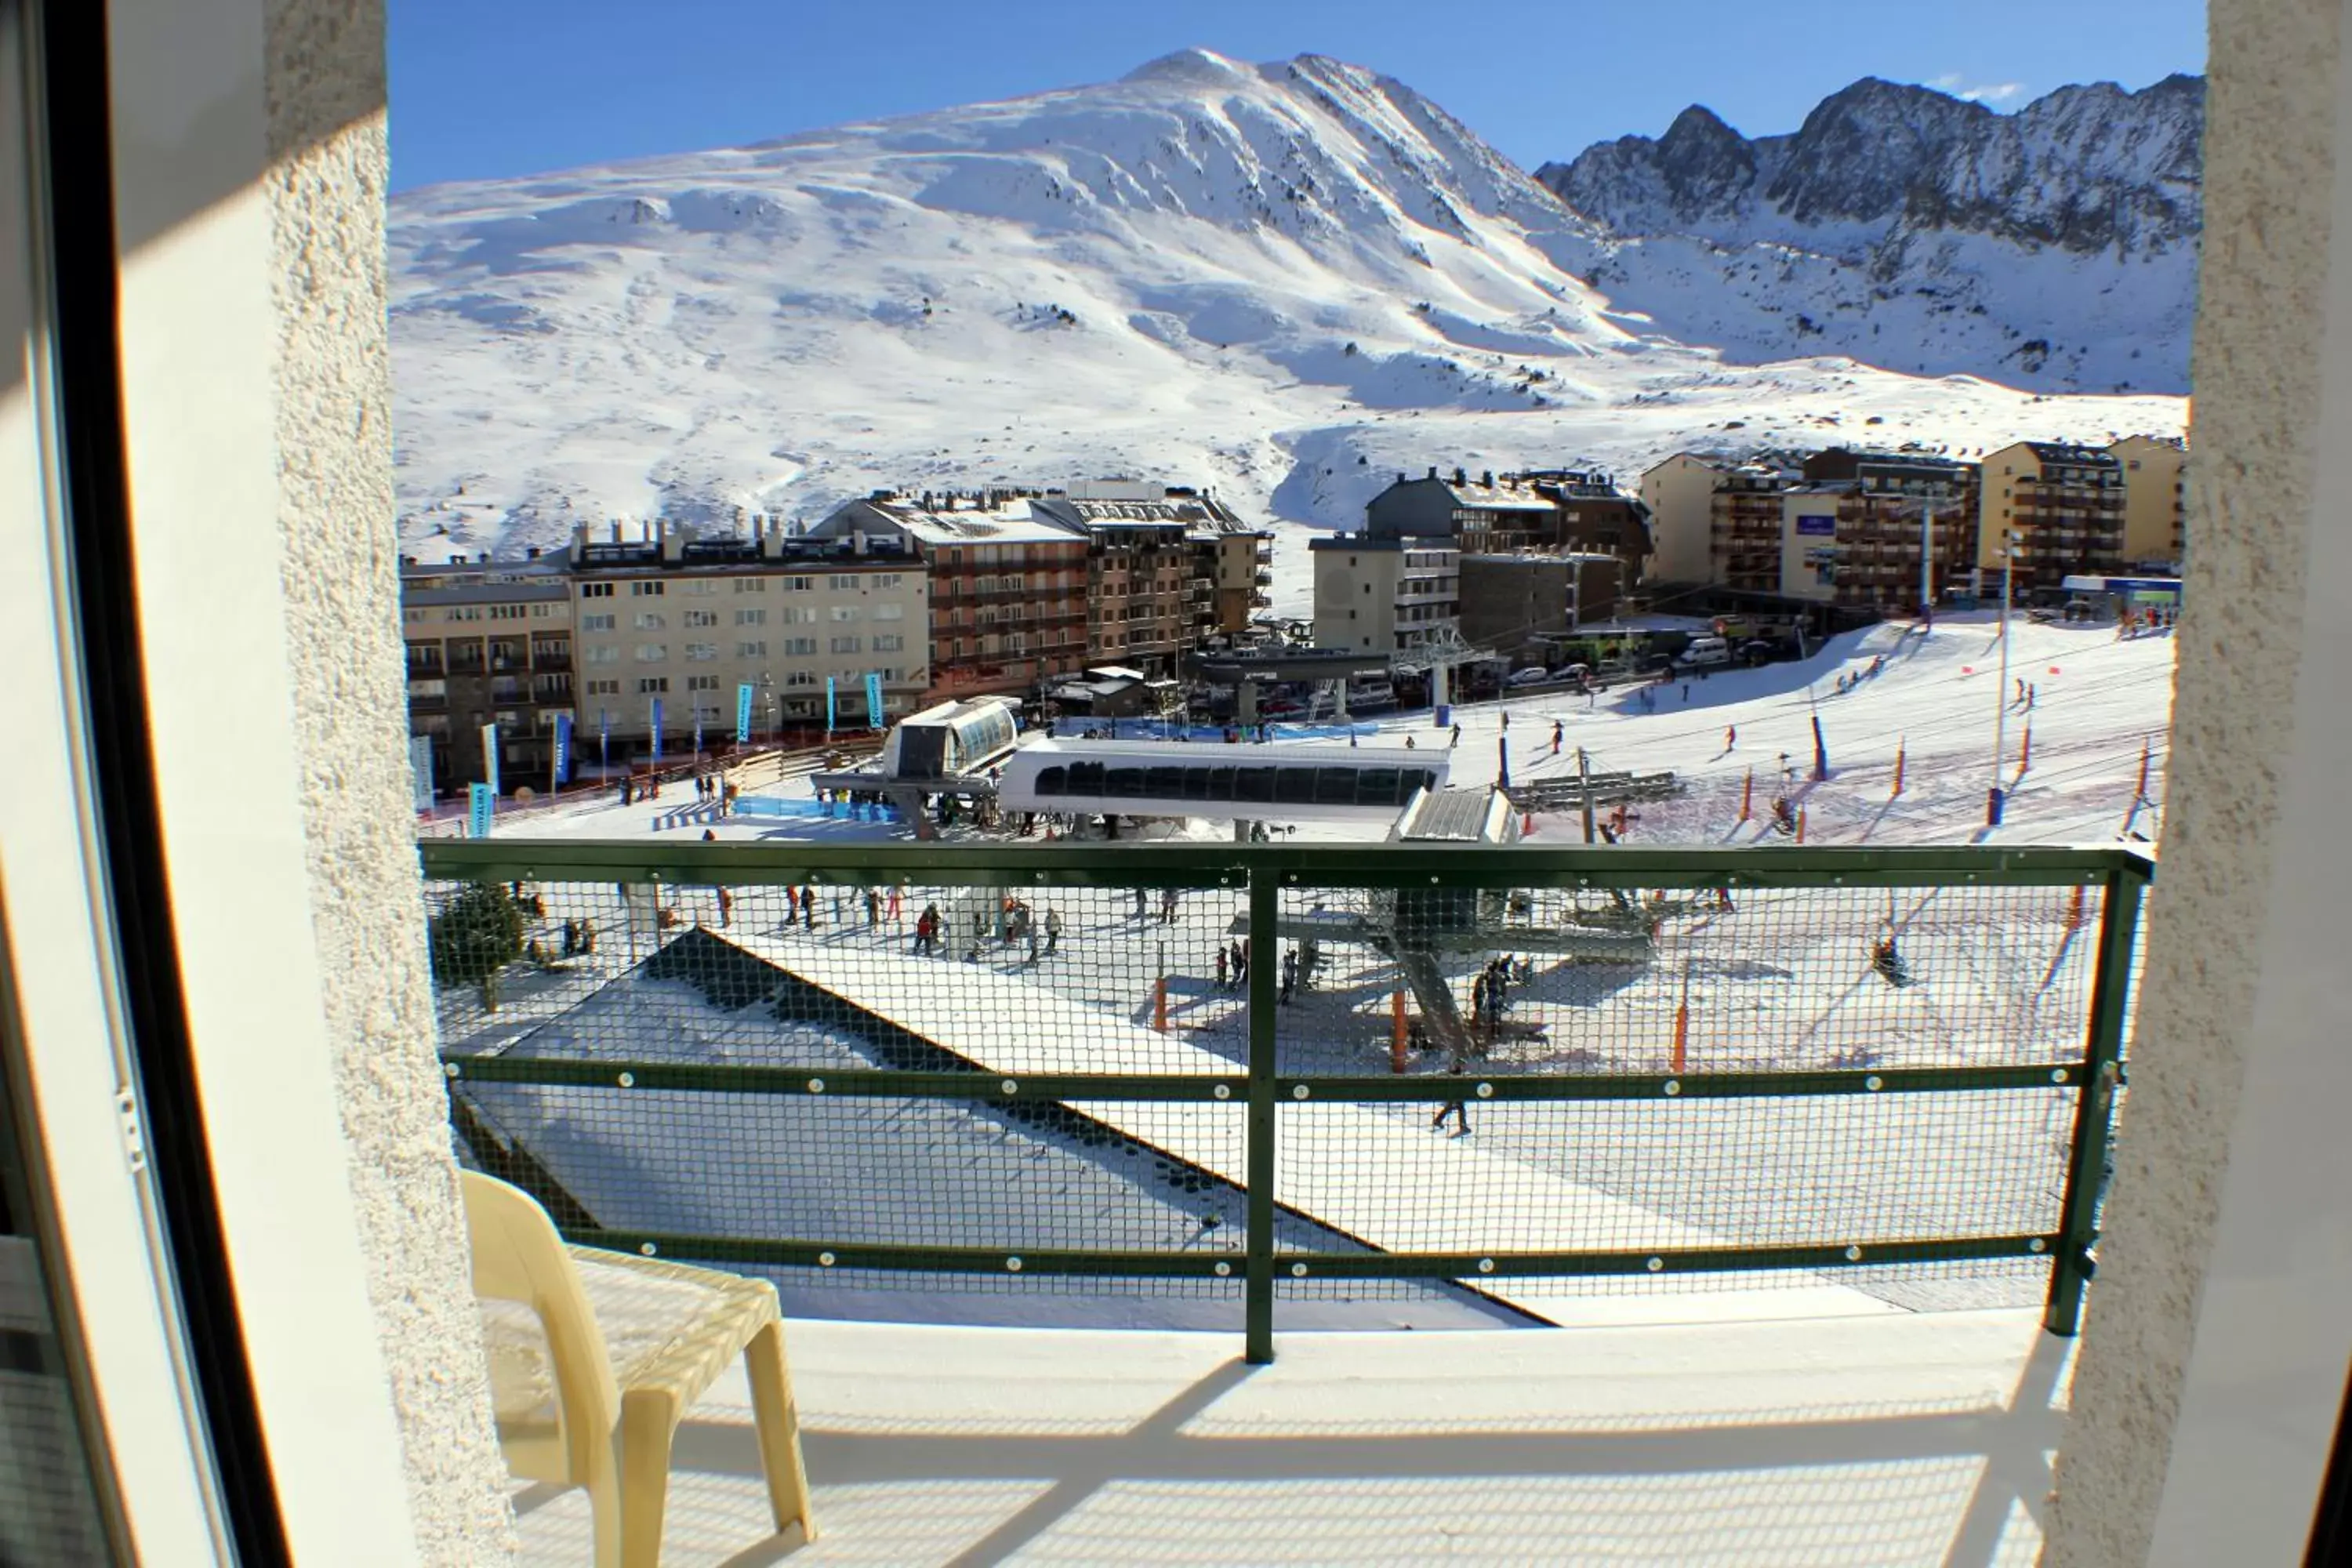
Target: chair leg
779	1427
648	1421
604	1485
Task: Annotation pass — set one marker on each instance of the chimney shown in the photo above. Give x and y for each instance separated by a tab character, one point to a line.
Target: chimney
1400	476
616	531
1433	471
1487	479
530	553
674	536
857	542
1461	478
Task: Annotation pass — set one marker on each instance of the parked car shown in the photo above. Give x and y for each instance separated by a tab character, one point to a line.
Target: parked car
1534	674
1762	650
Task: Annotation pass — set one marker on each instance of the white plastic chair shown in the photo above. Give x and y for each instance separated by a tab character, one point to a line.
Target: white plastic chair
585	1346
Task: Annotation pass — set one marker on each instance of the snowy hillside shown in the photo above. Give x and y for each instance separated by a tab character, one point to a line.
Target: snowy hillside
2054	247
1287	282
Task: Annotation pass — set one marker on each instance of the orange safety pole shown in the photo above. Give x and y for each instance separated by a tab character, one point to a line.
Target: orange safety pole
1898	771
1526	824
1159	1004
1747	796
1800	824
2140	792
2025	751
2074	910
1396	1031
1682	1033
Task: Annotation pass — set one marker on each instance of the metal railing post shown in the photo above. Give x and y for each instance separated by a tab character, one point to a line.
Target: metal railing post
2086	1160
1257	1289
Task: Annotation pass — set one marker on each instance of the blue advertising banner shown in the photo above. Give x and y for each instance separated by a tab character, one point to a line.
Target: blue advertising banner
603	738
874	700
656	723
831	709
563	770
1809	523
743	714
483	801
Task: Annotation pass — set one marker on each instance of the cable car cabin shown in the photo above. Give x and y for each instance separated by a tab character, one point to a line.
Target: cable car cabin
1259	784
950	740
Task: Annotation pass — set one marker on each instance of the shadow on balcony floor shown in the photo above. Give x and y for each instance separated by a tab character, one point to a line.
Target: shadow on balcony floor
1885	1440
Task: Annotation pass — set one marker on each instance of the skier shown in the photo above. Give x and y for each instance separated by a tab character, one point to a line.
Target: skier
808	907
895	909
873	909
1053	929
709	836
1888	962
1139	903
726	907
1558	732
1784	820
1730	736
1224	964
1410	745
1457	737
791	904
1289	975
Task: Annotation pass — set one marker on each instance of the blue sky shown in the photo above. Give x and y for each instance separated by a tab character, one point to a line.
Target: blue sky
487	88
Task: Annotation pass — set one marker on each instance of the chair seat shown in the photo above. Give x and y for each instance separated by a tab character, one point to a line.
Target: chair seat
666	1325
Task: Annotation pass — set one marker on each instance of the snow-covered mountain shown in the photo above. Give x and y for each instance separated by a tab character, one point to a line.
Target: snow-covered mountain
1287	282
2054	247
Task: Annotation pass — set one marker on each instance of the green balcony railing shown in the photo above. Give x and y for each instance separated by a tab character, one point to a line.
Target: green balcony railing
1043	1068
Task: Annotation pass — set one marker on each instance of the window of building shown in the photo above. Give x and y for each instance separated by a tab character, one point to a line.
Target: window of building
751	650
603	689
427	690
652	685
506	612
699	586
844	612
702	683
750	584
701	652
891	642
603	623
800	677
848	645
751	619
705	714
799	584
890	580
646	590
889	612
847	582
701	617
791	646
650	621
652	652
596	590
606	655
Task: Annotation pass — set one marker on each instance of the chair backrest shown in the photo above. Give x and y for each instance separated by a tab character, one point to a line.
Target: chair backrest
519	1257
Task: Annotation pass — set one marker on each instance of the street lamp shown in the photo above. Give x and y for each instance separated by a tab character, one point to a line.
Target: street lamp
776	715
1993	797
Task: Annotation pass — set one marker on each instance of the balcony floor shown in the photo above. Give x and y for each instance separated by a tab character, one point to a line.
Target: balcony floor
1896	1439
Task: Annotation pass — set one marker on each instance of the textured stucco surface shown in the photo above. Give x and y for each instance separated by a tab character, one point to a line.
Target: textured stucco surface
326	188
2269	165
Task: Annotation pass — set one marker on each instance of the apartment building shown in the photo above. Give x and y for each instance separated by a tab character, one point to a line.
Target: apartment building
1008	606
1746	521
1537	509
2063	504
666	617
487	644
1377	594
1680	494
2155	499
1510	602
1150	583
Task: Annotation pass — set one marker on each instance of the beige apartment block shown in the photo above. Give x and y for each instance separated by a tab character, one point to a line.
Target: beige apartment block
2153	496
1680	494
1375	595
2064	505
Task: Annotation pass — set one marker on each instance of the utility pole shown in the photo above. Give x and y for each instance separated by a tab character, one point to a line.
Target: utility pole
2000	716
1584	777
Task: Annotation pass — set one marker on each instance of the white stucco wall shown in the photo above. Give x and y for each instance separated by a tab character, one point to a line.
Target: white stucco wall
325	187
2214	1347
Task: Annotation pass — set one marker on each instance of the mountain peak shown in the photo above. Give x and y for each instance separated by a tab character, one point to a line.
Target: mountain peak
1193	65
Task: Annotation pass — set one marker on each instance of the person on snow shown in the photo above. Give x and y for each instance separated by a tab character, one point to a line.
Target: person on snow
1730	736
1888	962
1457	1109
1289	975
1457	737
1053	929
1784	820
1559	733
1225	963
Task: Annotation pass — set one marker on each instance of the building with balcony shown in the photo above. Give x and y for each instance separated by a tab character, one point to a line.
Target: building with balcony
1576	510
1745	522
487	644
2062	508
1857	533
666	616
1384	595
1009	604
